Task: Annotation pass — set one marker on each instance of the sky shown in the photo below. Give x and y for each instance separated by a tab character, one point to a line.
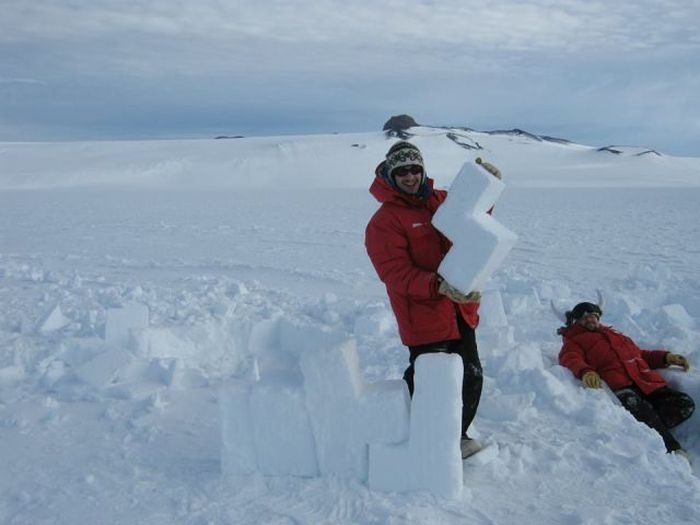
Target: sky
594	72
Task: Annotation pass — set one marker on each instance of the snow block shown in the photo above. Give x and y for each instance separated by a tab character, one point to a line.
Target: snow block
237	446
100	370
282	431
677	315
431	458
54	320
79	350
479	242
385	410
120	322
494	331
295	338
377	320
333	386
491	311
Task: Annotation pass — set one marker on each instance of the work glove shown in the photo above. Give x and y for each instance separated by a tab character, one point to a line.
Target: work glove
678	360
493	170
591	379
454	294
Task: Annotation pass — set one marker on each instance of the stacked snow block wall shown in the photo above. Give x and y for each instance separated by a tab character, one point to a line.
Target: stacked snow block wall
328	421
322	419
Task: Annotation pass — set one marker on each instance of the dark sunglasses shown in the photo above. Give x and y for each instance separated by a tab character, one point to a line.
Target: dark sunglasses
586	314
405	170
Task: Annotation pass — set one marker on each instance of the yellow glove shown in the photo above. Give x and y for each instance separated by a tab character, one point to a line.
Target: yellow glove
591	379
493	170
454	294
678	360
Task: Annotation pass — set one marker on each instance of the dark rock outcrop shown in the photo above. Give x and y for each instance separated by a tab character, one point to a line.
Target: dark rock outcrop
462	141
629	150
516	133
399	123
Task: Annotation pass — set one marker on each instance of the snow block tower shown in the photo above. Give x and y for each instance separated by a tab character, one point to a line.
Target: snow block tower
431	458
479	242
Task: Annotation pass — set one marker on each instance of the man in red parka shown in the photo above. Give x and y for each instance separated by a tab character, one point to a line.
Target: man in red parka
595	353
406	251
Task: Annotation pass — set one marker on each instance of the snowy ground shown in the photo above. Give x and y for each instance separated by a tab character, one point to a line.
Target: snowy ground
90	433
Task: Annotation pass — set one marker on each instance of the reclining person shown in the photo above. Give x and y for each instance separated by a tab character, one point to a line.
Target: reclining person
595	353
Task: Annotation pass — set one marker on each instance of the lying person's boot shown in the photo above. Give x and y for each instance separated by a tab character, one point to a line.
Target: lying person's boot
469	447
678	452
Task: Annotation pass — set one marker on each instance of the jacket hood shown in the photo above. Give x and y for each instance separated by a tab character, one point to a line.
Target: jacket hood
576	329
383	191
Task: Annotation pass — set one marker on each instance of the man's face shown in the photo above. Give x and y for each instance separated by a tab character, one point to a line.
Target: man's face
408	178
590	321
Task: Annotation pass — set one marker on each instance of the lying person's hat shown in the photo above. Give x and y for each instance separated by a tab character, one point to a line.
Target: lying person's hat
580	310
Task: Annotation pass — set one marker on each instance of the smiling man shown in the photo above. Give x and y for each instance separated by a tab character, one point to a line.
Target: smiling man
596	353
406	250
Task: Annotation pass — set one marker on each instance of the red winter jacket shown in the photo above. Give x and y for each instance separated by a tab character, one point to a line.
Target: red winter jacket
614	356
406	251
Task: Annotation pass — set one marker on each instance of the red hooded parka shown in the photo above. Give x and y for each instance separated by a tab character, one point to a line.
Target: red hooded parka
406	251
614	356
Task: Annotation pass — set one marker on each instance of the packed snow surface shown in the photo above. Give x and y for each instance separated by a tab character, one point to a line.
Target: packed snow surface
138	281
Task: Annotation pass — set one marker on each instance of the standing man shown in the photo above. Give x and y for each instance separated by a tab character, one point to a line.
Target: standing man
595	353
406	251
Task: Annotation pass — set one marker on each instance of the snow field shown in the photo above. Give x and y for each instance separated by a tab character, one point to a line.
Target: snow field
544	432
238	283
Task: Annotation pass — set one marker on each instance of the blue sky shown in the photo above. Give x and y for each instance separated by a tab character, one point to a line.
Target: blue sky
596	72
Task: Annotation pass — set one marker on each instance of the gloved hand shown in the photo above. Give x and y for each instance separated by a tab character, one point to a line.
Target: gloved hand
678	360
474	296
591	379
454	294
493	170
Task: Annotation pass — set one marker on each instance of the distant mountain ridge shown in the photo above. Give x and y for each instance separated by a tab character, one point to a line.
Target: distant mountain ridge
335	161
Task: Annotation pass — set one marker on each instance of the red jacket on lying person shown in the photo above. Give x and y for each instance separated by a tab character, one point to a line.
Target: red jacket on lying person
614	356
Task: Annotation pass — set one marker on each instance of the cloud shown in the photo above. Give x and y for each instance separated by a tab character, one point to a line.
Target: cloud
11	80
502	61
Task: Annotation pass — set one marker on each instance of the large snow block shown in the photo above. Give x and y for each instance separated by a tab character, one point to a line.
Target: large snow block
494	331
479	242
99	371
333	386
491	311
53	320
431	460
296	337
385	410
282	431
120	322
237	446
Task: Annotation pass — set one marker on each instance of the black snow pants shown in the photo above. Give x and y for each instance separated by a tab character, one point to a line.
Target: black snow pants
473	380
661	410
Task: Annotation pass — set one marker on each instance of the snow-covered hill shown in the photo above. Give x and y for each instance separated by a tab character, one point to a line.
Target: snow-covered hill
331	161
234	245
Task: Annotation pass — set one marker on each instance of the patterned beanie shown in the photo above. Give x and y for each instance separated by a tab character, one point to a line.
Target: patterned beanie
403	154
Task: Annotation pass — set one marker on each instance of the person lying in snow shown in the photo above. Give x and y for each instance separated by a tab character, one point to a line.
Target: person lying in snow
406	251
596	353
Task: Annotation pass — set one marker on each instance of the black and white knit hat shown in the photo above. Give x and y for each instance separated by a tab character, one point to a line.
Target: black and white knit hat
403	154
